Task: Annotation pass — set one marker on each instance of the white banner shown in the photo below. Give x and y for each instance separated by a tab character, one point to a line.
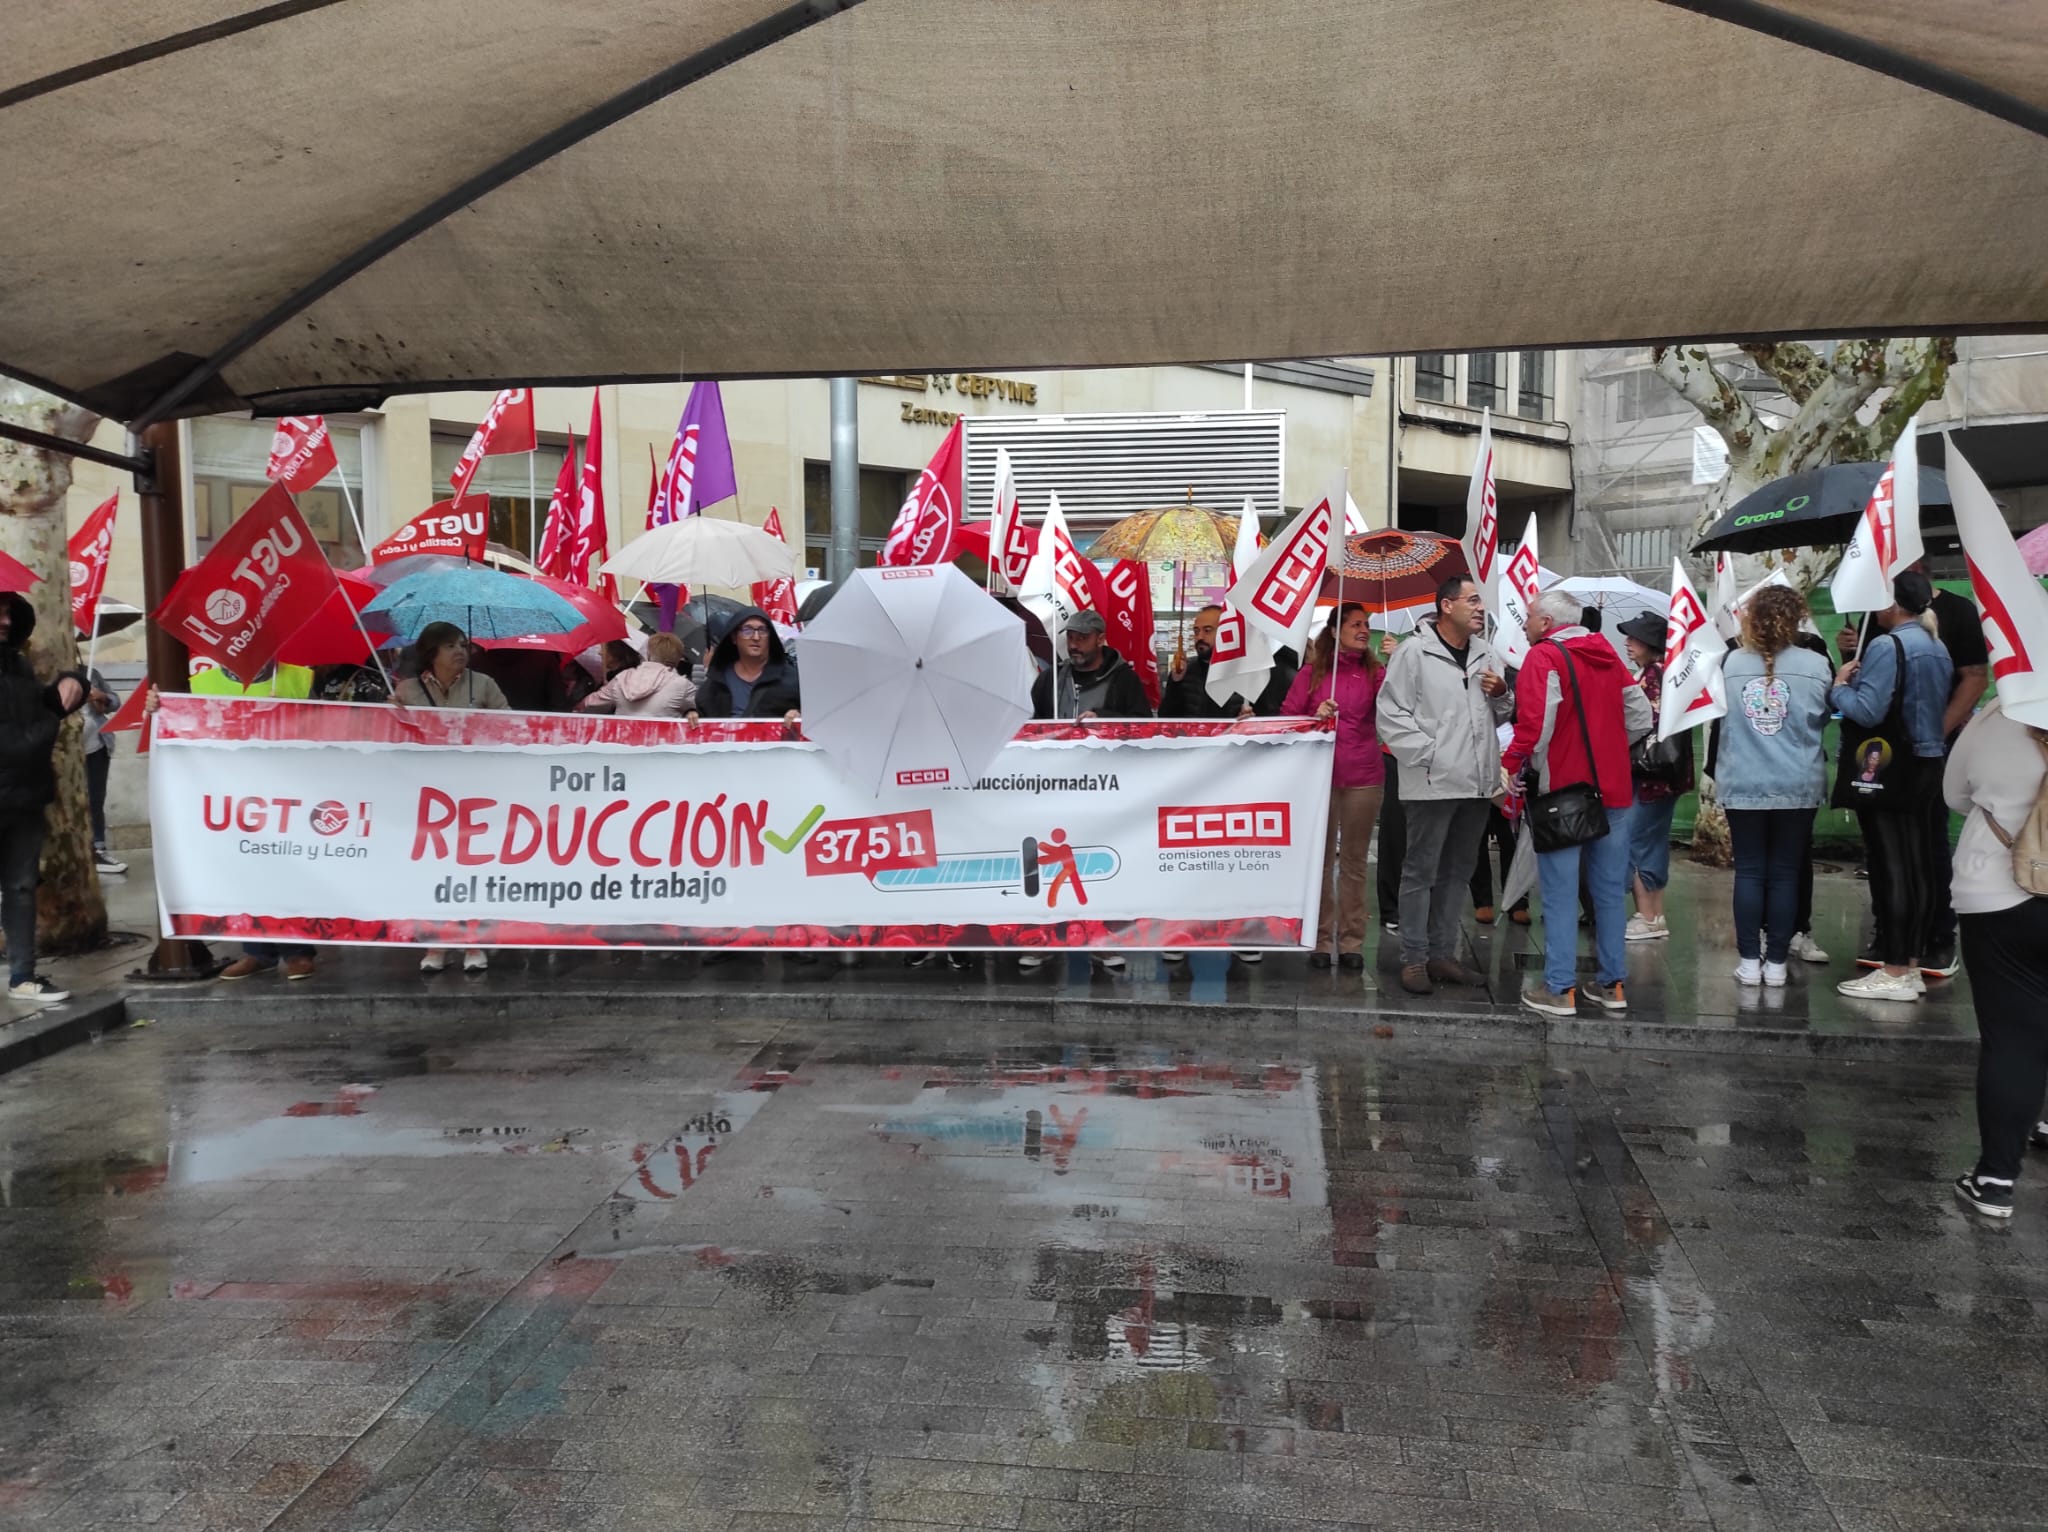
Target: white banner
323	822
1277	595
2015	607
1482	517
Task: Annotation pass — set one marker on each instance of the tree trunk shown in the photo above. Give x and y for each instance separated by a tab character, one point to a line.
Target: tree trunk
71	915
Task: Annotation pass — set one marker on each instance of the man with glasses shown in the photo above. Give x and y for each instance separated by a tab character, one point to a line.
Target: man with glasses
1444	698
750	674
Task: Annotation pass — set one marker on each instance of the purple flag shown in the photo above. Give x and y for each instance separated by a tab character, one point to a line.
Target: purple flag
699	471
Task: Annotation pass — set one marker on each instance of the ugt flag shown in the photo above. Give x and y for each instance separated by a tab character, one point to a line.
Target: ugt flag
927	528
1057	584
553	559
1887	536
91	548
593	535
507	428
457	528
258	586
301	453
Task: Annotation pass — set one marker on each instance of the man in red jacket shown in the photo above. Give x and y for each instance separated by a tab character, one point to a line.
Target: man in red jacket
1577	711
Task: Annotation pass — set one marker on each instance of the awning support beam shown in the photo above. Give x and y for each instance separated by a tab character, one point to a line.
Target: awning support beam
139	465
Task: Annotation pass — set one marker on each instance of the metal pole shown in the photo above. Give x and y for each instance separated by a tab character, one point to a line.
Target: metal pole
162	495
1394	442
1247	385
843	552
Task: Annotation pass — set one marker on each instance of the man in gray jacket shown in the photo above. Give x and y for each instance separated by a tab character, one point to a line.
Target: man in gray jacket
1444	697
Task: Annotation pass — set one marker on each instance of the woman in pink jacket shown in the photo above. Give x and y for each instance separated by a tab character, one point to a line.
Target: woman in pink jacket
654	689
1342	680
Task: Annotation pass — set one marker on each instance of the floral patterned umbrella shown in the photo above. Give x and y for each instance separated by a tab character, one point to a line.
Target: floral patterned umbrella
1174	534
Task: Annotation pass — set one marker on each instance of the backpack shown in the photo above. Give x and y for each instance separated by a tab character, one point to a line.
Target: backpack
2029	848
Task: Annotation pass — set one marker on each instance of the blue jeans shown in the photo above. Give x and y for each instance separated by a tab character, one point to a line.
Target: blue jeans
1649	836
1557	873
1771	847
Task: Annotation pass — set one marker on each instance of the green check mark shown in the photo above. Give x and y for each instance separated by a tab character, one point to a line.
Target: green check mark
795	838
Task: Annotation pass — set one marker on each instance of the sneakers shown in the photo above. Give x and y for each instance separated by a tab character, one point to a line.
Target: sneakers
247	968
1391	927
37	990
1115	962
298	968
435	960
1870	957
1990	1197
1540	999
1775	975
1646	929
1248	954
475	960
2039	1137
1942	962
1450	971
1749	971
1173	955
1031	962
1806	949
1415	979
1879	985
107	862
1607	996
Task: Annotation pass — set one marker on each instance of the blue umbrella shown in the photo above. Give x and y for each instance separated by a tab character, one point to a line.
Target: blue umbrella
481	601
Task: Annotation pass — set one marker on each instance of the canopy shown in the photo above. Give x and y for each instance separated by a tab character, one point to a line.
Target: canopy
310	205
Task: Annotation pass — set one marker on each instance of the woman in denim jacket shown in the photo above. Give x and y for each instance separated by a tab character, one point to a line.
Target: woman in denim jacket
1771	774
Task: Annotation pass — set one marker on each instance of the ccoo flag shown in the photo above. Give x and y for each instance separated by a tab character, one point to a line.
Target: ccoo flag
1519	585
1482	516
1887	536
1277	595
2015	607
1694	692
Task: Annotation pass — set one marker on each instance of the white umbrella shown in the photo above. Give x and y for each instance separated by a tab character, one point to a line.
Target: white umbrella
700	550
914	676
1610	591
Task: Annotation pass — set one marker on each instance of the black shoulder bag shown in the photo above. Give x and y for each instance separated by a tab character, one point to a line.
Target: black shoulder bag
1570	816
1877	771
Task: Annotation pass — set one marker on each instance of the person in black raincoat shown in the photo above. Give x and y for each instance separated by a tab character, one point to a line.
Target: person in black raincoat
750	674
30	715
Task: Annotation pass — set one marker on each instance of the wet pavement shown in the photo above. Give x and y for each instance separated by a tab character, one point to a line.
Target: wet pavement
1164	1270
1682	991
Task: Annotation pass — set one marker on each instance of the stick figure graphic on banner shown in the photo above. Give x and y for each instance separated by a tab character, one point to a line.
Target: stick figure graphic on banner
1055	852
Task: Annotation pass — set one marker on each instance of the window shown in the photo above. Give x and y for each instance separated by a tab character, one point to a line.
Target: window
1436	376
228	459
518	485
1537	381
1486	374
1645	396
882	491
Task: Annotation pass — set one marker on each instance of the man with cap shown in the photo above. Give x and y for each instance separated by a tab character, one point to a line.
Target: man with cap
1096	681
1657	792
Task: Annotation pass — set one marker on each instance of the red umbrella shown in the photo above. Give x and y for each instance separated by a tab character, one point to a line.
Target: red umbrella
1387	570
16	576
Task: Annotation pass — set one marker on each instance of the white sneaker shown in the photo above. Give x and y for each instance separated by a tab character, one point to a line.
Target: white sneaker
1807	950
1749	971
1879	985
1113	961
1774	976
1031	962
1248	954
435	960
1646	929
1173	955
475	960
37	990
107	862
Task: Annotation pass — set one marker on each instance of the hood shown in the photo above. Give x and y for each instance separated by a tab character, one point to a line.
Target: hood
1591	650
728	649
1110	660
644	681
24	620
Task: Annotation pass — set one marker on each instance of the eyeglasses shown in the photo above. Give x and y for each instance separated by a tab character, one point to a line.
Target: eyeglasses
752	630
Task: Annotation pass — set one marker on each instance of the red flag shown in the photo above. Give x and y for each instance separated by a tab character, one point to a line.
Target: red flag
507	428
927	528
301	453
592	541
16	576
130	714
264	579
91	547
553	559
1124	598
455	527
776	597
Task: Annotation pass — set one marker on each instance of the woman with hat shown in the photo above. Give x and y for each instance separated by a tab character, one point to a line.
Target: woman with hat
1662	773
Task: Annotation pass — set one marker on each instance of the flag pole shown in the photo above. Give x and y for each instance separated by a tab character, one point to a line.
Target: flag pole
362	537
390	688
532	513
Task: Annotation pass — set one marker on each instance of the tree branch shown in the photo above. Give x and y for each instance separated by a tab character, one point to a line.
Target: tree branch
1692	373
1796	365
1918	373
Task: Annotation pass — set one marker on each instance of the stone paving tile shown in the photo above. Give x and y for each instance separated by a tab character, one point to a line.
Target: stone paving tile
417	1272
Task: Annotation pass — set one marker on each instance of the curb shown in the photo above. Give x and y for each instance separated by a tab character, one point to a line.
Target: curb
42	1033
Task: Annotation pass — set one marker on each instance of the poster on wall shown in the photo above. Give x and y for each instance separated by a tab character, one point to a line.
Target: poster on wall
324	822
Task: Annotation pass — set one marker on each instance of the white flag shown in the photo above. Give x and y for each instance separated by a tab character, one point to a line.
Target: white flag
1482	517
1709	456
1055	586
2014	605
1727	621
1741	603
1517	599
1887	536
1694	691
1242	660
1278	593
1354	518
1008	539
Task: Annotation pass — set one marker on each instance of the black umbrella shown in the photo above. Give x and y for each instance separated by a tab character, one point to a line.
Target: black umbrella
814	603
1814	509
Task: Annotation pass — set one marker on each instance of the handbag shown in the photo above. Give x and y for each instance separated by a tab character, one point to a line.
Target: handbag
1877	771
1570	816
1661	760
